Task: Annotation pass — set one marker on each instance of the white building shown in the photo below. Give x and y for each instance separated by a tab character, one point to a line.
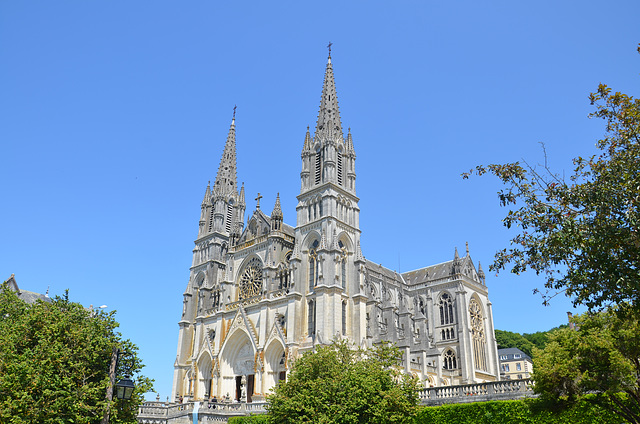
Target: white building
262	294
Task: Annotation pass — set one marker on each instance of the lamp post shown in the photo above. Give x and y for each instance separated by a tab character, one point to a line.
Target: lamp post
124	387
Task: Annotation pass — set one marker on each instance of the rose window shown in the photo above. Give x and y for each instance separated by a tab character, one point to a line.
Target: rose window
251	280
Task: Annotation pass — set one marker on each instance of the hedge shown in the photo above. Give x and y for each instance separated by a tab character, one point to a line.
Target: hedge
250	419
526	411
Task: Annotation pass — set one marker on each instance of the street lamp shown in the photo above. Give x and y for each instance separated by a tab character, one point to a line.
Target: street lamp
124	388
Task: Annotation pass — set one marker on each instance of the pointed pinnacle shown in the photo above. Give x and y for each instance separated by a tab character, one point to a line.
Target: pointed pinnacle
456	256
307	140
207	192
277	210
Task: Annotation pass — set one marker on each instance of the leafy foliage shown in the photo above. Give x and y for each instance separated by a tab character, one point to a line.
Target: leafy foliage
54	361
341	384
582	234
525	342
250	419
525	411
600	357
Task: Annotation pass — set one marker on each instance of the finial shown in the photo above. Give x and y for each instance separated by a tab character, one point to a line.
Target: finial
234	111
329	47
467	248
258	201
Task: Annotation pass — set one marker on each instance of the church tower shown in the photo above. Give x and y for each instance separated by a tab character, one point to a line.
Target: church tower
221	221
328	261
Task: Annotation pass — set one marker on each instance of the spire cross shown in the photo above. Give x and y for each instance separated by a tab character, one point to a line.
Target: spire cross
258	201
329	47
234	111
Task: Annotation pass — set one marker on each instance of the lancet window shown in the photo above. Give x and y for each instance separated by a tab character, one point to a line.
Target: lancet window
313	265
340	179
318	176
229	216
477	335
344	317
311	324
446	309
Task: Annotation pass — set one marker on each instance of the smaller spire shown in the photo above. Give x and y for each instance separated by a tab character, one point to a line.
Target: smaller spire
359	256
277	210
207	193
242	193
307	140
481	273
456	256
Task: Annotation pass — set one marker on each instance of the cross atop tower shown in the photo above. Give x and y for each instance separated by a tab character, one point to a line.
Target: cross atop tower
234	111
329	47
258	201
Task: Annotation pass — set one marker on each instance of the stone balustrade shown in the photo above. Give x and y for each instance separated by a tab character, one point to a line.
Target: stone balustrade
219	412
215	412
477	392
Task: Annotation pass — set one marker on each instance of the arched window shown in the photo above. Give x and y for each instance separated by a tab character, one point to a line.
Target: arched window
311	324
446	309
313	265
477	335
450	362
344	317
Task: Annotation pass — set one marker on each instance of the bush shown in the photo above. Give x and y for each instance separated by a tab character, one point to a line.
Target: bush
250	419
526	411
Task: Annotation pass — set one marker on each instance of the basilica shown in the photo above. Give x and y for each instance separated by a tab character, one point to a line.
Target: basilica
261	294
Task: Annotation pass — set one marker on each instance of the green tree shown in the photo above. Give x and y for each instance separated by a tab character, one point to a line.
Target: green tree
600	358
507	339
525	342
54	362
581	233
342	384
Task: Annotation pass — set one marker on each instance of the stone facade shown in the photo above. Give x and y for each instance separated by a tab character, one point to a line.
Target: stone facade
260	295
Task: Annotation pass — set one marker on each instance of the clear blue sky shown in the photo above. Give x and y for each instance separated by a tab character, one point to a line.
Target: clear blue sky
113	117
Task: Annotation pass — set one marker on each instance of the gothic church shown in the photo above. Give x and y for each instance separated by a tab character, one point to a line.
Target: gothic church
260	295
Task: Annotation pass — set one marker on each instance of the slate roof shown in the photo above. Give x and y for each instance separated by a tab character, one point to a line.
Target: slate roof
510	353
26	295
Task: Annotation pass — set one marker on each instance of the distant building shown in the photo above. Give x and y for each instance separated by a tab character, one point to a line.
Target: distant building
514	364
25	295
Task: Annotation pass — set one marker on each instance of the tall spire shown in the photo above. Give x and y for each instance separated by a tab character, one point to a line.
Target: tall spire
226	180
329	115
